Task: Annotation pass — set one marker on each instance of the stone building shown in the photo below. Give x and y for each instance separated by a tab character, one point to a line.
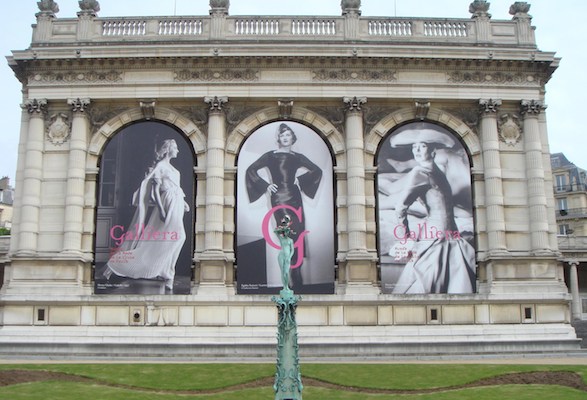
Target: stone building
570	193
6	200
411	154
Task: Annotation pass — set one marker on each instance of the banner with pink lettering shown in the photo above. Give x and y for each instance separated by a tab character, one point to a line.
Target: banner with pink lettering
285	169
144	223
426	240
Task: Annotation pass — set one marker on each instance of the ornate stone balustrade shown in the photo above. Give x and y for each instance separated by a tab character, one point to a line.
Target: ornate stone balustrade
338	29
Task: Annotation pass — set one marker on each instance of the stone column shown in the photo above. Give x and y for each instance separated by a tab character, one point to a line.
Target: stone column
75	190
47	12
493	183
33	175
576	308
214	269
218	14
479	10
215	175
356	226
88	11
525	31
360	266
537	203
351	10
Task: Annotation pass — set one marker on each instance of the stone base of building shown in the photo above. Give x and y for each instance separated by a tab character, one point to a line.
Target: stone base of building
244	327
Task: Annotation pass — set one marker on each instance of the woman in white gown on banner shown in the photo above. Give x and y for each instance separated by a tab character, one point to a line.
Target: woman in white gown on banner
156	235
439	259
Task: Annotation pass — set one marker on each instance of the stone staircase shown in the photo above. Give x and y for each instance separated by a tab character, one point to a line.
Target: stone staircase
581	331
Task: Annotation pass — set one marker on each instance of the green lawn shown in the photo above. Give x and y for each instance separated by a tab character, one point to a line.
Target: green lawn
165	381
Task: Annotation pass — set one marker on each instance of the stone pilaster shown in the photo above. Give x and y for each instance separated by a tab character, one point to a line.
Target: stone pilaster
496	237
537	202
33	175
75	190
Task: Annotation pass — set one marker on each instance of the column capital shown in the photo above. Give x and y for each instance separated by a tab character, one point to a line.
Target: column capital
531	107
215	102
79	105
354	103
489	106
35	106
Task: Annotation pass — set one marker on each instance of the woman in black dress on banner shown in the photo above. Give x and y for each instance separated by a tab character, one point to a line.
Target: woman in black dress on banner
291	174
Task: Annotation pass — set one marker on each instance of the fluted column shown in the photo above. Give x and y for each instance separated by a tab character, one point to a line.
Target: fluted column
357	226
537	203
576	298
496	238
214	224
33	175
74	199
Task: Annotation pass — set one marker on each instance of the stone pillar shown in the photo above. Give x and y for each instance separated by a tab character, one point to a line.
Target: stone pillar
351	10
88	11
537	202
576	307
360	266
33	175
479	10
76	173
214	270
525	31
496	237
47	12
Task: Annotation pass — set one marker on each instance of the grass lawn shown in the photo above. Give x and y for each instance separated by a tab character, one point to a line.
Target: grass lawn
254	381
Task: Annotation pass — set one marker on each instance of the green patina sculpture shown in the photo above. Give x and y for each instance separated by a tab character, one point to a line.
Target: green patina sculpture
288	379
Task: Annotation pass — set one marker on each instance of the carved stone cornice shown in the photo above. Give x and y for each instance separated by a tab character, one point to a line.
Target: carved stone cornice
224	75
489	106
353	104
79	105
531	107
35	106
350	75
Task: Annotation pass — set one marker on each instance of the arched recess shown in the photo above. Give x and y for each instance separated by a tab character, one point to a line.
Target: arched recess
236	137
310	203
425	202
124	148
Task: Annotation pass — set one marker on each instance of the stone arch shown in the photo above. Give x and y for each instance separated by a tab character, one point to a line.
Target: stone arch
112	126
470	139
328	131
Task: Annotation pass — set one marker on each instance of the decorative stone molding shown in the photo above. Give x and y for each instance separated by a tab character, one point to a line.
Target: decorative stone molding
48	8
488	78
35	106
469	115
88	8
59	128
99	115
520	10
369	75
354	103
147	108
197	114
79	105
509	129
215	102
422	107
285	108
236	114
62	78
224	75
373	114
479	9
531	107
334	115
489	106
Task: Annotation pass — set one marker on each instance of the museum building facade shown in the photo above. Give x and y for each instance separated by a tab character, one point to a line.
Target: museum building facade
158	155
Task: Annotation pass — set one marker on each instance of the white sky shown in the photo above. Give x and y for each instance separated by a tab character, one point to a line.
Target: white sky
559	28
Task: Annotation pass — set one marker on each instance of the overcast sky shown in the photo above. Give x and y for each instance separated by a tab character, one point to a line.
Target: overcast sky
559	28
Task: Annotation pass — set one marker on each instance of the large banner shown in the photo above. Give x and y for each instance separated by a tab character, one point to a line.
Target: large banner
425	206
285	168
144	239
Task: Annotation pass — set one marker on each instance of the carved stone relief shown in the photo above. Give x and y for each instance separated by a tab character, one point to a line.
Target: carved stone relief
59	128
509	129
230	75
334	114
489	78
383	75
59	78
